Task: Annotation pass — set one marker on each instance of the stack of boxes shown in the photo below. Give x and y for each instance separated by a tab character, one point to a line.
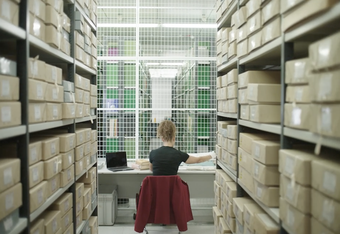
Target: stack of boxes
222	43
49	23
262	90
11	14
69	105
9	94
232	146
82	96
254	24
240	28
227	92
79	203
225	146
271	21
93	98
83	150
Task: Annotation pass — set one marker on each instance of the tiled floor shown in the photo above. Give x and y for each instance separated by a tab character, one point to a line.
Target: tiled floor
193	228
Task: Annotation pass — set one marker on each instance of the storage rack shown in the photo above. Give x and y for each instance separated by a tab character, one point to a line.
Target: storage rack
290	45
26	46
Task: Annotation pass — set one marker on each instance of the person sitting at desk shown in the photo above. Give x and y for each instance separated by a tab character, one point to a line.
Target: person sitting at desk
166	159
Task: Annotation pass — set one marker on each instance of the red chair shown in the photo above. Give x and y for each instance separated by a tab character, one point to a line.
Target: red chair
163	200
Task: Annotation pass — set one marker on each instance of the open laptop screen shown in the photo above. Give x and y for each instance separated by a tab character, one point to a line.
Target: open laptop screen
116	159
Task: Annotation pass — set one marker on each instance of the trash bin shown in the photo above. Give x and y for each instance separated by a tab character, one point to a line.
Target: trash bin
108	204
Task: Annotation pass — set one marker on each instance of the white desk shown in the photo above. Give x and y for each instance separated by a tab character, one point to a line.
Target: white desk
201	182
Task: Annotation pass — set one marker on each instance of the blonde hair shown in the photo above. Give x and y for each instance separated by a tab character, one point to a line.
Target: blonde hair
166	130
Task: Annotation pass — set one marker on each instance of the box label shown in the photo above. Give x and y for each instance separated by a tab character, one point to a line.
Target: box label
8	223
257	151
290	164
55	111
6	114
328	211
9	201
326	119
54	225
329	181
296	116
37	112
53	148
259	191
290	218
6	10
5	88
40	92
40	196
54	74
55	94
290	191
54	184
67	205
8	177
35	174
34	154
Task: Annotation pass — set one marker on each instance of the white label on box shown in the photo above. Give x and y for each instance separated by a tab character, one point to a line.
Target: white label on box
259	191
6	114
55	111
326	119
78	206
71	142
290	191
54	184
81	165
8	177
9	201
81	152
256	170
53	148
55	94
329	181
34	154
36	8
54	74
73	110
55	167
40	91
325	86
257	151
296	116
70	159
299	69
5	88
290	218
35	174
298	93
8	223
67	221
328	211
247	217
81	138
67	205
324	50
37	112
290	164
54	225
6	10
68	175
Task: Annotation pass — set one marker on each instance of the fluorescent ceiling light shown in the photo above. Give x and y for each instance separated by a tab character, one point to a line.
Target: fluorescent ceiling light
165	64
189	25
157	25
163	73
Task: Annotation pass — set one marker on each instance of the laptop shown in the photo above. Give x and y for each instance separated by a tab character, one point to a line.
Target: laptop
117	161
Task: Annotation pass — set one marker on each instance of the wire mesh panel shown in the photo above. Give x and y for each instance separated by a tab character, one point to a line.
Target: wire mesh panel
159	62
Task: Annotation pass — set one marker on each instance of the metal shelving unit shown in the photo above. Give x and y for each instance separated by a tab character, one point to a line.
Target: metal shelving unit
48	125
11	31
230	172
226	18
232	63
83	69
272	128
227	115
12	132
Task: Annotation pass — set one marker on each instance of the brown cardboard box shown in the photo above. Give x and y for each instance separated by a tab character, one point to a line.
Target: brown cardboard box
231	222
87	148
304	11
53	112
264	93
323	86
92	175
9	88
271	31
66	221
80	137
36	174
35	152
232	77
239	207
325	119
255	41
232	132
93	102
246	179
231	190
295	221
252	6
260	77
10	200
79	219
67	141
94	148
296	195
37	226
53	37
58	5
37	112
79	190
87	212
79	94
254	23
79	152
66	176
241	33
241	17
232	91
317	227
53	185
266	175
54	93
242	48
52	167
232	36
225	34
249	211
69	110
86	110
265	113
298	116
79	110
286	5
78	81
79	39
265	225
245	115
79	167
232	161
232	146
87	196
270	10
52	221
326	176
297	71
52	17
224	47
86	97
266	152
298	94
53	74
37	196
36	90
37	27
79	54
246	139
245	160
93	223
232	106
296	164
224	156
92	186
62	204
10	11
67	159
216	215
9	172
269	196
218	151
232	50
223	227
50	146
79	206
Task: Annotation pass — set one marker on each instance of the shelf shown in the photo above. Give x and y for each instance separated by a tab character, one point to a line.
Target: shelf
226	18
232	173
316	26
46	52
10	31
312	138
12	132
19	227
227	115
272	128
269	54
48	125
272	212
81	227
88	20
49	201
85	119
82	69
91	165
228	66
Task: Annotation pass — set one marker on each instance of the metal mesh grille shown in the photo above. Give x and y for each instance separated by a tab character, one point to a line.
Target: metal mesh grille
158	61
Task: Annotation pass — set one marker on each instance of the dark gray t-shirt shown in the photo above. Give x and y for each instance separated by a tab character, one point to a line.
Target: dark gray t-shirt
166	160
